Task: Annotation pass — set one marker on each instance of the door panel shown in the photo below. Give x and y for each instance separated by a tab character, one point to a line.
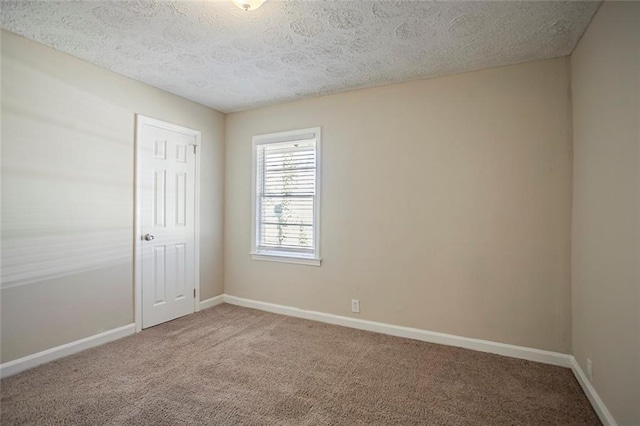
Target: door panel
166	158
159	190
159	276
181	276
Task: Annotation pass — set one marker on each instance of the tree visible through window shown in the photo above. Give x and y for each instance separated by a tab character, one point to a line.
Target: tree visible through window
285	194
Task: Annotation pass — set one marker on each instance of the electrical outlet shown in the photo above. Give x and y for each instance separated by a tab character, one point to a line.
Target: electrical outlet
589	370
355	305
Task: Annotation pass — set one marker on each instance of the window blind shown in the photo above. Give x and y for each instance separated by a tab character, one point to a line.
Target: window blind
286	191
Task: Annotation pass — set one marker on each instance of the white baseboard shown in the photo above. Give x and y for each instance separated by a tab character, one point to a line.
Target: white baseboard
601	410
21	364
531	354
16	366
214	301
547	357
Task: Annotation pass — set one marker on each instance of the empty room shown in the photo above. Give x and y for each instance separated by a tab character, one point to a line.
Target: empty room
320	212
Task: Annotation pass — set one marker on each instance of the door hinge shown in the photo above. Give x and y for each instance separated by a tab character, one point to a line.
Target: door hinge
194	148
194	293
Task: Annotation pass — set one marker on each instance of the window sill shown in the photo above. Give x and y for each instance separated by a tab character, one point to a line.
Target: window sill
272	257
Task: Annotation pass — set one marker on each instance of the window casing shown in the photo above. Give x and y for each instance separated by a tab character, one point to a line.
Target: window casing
286	197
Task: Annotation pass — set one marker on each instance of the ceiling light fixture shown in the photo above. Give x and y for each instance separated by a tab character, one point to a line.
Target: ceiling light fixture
248	4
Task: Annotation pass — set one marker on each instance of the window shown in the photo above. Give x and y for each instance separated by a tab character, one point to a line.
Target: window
286	202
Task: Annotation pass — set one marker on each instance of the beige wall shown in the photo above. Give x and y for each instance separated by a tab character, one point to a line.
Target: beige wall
445	205
606	206
445	202
67	195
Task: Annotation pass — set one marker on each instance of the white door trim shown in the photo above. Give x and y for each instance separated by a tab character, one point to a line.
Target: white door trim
137	264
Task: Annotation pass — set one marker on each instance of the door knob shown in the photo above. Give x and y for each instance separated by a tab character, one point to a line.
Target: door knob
148	237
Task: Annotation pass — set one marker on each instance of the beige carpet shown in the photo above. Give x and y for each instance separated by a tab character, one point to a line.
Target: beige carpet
229	365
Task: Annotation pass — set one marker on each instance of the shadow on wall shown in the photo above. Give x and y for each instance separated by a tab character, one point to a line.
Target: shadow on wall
63	206
67	211
67	180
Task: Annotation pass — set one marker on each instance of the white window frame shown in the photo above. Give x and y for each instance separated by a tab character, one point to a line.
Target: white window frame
286	256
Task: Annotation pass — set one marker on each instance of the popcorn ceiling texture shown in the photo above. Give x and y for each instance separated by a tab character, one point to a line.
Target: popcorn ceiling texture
220	56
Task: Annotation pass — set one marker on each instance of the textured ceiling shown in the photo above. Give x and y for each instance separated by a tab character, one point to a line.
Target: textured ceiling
231	60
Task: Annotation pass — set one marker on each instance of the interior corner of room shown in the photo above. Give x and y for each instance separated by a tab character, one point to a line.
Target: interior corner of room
496	210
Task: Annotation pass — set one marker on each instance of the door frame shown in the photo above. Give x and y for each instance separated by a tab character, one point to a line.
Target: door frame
141	120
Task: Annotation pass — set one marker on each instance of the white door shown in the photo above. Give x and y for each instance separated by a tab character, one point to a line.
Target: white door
166	224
